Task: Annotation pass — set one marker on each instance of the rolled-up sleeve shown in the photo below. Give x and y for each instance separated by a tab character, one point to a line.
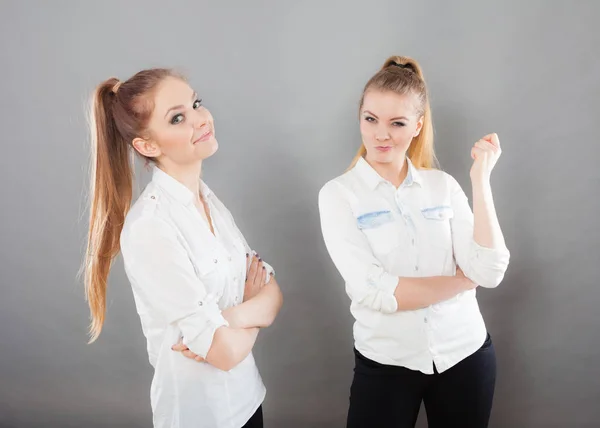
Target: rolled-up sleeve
165	280
367	283
484	266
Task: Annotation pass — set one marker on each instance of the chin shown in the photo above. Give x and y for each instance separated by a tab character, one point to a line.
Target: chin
382	157
208	148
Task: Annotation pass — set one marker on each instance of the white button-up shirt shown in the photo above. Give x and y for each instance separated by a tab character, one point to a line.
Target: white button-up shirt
375	233
182	277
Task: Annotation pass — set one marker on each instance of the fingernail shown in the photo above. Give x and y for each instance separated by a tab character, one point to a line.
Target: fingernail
263	268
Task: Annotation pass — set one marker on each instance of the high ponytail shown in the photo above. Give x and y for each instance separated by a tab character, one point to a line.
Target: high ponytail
404	75
111	187
119	113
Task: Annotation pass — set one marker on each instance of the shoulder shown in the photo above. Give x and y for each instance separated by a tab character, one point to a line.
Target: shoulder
342	186
148	217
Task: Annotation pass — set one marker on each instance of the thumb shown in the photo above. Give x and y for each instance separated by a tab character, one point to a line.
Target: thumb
493	139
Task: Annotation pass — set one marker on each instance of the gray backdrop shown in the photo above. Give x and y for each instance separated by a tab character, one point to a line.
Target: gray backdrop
283	82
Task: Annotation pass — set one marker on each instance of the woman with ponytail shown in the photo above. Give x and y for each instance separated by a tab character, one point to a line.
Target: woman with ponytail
412	253
202	294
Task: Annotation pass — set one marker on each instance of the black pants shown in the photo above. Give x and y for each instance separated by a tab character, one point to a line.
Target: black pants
385	396
256	421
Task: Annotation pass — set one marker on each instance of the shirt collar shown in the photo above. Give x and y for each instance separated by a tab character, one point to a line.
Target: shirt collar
373	179
176	189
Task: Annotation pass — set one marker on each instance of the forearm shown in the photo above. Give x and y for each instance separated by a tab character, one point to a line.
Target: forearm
259	311
231	346
486	231
418	293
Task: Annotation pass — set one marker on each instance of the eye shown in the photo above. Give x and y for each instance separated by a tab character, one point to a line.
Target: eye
399	124
369	119
197	104
178	118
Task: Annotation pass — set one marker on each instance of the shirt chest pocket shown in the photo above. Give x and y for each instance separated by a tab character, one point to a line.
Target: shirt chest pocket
437	229
380	228
208	271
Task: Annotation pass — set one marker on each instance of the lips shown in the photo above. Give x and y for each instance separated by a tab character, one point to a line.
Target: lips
204	137
384	148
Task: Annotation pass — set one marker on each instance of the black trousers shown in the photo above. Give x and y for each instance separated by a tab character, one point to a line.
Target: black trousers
256	421
385	396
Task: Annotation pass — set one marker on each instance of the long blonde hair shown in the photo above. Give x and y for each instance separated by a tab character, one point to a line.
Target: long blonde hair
120	112
402	75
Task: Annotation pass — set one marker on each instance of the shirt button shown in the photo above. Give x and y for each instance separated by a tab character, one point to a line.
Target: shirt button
413	241
425	320
200	303
216	261
235	299
416	267
229	258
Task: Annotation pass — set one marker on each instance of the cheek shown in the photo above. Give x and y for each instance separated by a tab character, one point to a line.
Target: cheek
175	138
403	134
365	131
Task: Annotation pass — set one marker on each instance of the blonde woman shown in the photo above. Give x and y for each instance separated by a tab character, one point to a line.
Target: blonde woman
412	254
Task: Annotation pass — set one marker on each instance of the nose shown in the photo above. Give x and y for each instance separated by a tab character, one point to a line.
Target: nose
201	119
382	136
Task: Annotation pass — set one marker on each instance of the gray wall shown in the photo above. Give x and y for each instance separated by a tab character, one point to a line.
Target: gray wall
283	82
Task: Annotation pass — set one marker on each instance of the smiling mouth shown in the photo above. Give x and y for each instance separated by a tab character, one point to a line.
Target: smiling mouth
204	137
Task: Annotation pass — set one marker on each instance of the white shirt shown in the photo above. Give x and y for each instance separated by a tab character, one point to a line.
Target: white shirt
376	233
182	277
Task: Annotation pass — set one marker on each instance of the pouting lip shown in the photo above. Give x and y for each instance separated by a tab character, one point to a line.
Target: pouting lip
203	136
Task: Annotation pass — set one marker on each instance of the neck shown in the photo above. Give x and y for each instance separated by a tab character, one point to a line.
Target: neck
188	175
395	172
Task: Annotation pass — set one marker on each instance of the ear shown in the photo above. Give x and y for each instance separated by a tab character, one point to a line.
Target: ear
419	126
146	148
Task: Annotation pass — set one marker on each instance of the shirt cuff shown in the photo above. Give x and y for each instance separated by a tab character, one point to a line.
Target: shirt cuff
385	287
199	329
494	258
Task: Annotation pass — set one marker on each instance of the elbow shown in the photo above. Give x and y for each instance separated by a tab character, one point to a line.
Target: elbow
488	272
226	362
278	305
490	278
223	353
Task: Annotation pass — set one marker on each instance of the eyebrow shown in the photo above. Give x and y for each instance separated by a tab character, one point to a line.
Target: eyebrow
393	118
194	96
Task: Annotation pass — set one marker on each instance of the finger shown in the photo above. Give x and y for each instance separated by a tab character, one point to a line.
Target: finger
179	347
476	152
259	274
189	354
263	277
199	358
486	145
253	269
492	139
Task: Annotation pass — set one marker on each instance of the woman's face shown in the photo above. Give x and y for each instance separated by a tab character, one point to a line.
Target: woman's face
388	124
181	130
